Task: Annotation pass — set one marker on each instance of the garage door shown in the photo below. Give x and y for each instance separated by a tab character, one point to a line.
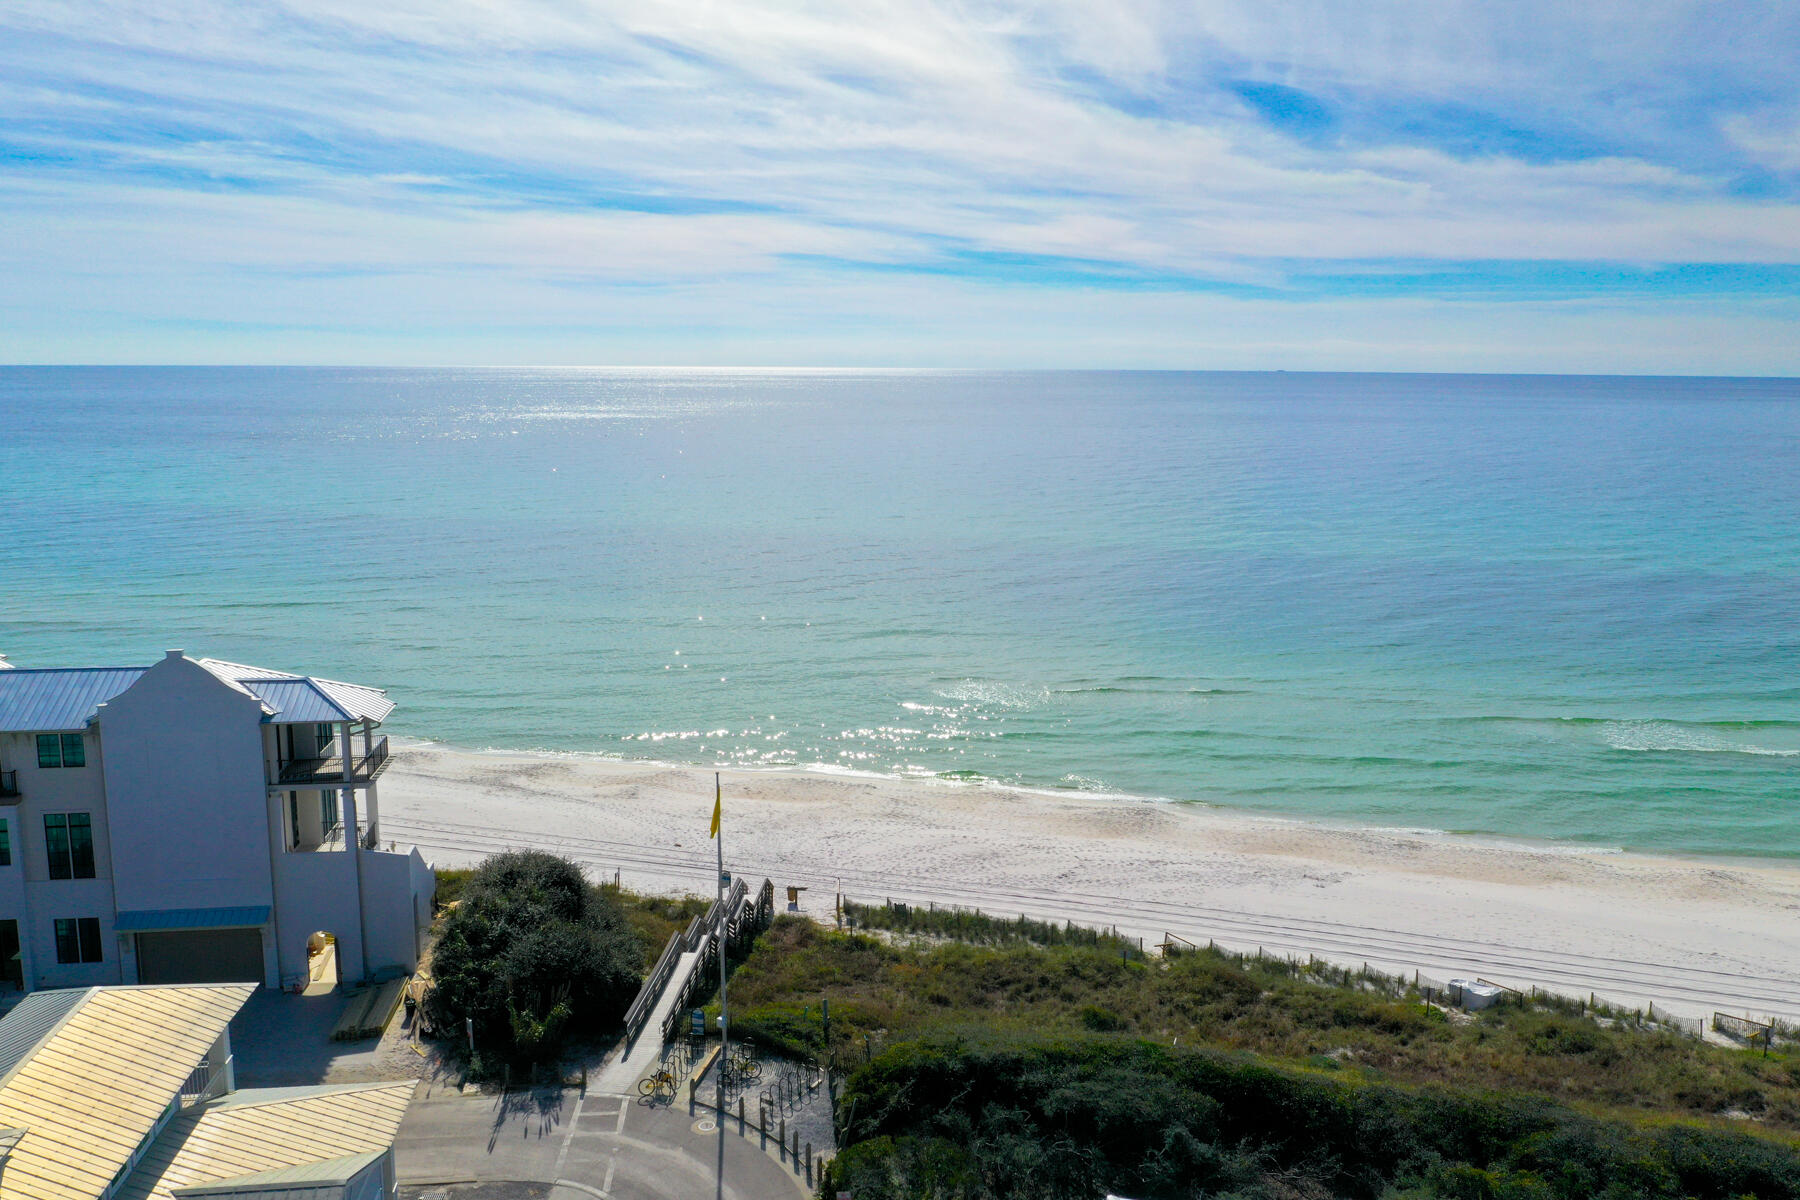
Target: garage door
201	956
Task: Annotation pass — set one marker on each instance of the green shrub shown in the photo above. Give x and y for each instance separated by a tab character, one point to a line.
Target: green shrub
450	884
1298	1013
1033	1117
532	953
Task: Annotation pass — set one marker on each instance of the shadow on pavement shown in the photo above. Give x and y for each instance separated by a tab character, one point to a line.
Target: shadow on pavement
283	1040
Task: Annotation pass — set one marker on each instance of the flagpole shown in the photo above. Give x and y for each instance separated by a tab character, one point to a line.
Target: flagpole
724	931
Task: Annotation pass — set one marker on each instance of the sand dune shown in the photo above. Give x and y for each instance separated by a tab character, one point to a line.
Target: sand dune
1690	935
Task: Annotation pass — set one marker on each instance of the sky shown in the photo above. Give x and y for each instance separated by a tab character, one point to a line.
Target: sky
1369	185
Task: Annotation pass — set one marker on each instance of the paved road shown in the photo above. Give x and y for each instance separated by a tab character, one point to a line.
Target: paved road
488	1147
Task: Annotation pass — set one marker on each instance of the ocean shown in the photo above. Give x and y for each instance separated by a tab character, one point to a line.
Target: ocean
1558	609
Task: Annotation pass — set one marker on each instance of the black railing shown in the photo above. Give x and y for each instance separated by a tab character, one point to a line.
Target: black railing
322	772
9	785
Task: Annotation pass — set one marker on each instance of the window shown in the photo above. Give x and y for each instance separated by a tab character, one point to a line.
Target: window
322	733
69	844
61	750
328	811
78	939
5	845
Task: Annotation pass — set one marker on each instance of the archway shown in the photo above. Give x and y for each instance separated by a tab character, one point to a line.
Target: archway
321	963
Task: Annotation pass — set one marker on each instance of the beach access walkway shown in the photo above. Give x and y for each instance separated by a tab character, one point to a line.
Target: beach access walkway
621	1072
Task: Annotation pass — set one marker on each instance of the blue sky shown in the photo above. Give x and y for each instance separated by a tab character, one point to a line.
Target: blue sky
1376	185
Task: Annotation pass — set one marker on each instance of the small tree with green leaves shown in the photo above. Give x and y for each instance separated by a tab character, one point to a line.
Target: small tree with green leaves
533	953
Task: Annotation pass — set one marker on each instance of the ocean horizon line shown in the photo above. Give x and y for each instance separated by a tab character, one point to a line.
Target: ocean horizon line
878	369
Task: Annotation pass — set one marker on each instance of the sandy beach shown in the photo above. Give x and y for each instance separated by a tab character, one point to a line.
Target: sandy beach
1692	936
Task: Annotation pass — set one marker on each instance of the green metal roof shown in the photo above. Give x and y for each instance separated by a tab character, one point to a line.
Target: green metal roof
157	919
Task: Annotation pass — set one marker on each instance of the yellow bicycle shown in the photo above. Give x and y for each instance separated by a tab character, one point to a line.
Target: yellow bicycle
659	1085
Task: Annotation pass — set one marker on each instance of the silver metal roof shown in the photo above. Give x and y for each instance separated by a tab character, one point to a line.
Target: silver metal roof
242	672
297	699
365	702
31	1020
58	700
62	700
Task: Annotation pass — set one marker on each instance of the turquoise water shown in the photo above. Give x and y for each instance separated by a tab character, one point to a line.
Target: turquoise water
1550	608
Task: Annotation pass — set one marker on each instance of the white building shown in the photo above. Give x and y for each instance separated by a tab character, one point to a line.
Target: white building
196	822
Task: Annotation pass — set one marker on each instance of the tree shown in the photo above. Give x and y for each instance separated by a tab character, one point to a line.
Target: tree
533	952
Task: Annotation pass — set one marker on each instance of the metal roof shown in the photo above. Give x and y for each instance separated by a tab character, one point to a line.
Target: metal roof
58	700
297	700
327	1172
62	699
230	1138
365	702
30	1020
90	1092
242	672
301	699
153	919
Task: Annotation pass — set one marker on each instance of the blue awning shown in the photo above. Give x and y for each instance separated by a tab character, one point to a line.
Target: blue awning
152	920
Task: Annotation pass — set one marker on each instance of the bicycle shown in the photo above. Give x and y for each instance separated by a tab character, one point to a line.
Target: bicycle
659	1085
745	1065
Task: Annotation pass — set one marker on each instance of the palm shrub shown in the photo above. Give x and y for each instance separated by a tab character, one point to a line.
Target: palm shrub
533	954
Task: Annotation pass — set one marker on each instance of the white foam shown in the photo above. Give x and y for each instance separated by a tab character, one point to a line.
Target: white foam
995	695
1669	737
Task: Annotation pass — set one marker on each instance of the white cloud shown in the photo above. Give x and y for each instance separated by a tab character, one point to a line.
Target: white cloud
467	142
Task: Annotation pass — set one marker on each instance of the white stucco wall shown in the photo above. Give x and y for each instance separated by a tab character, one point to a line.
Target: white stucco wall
53	790
392	884
316	892
27	893
185	792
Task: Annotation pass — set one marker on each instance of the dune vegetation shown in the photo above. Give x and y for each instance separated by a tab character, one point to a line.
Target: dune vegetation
1005	1059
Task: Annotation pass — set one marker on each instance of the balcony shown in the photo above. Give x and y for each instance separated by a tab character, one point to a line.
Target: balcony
326	772
206	1081
9	787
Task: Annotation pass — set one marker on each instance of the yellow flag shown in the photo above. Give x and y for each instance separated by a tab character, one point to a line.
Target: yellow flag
718	800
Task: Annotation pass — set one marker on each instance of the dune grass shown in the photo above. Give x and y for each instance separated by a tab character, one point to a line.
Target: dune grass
883	991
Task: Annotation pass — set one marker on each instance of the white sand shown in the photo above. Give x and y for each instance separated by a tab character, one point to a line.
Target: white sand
1690	935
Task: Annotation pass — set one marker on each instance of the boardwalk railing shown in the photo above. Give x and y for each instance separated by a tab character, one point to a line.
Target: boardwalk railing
638	1015
735	924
